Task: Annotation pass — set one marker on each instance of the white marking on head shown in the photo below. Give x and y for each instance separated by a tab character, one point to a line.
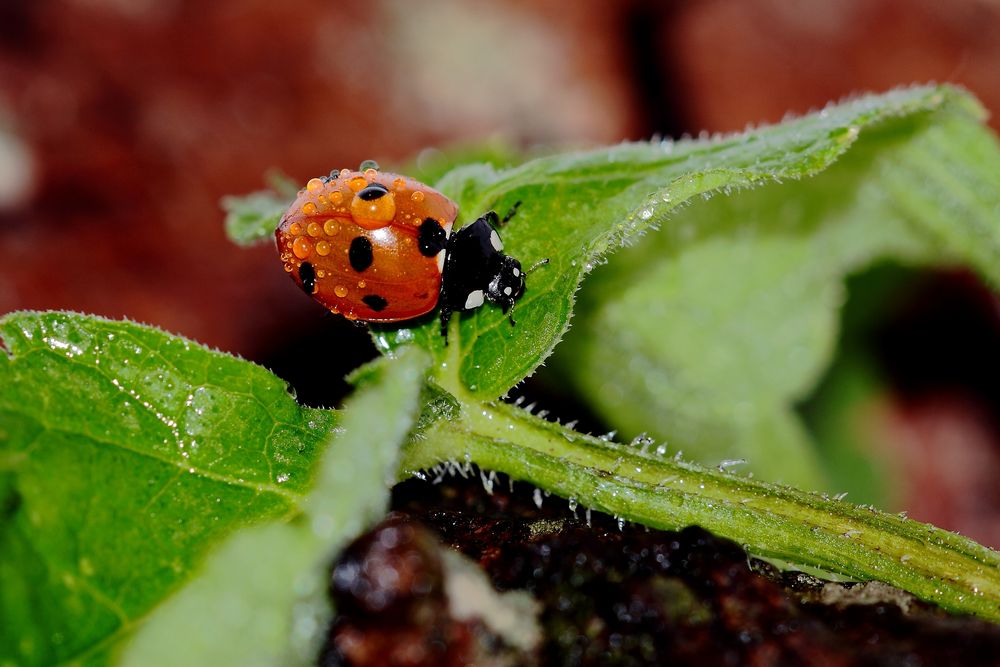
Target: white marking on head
495	241
440	261
507	290
517	272
474	300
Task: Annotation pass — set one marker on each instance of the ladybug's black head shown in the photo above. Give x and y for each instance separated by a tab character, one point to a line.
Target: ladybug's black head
507	282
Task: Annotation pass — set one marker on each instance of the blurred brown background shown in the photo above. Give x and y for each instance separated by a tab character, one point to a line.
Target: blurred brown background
122	123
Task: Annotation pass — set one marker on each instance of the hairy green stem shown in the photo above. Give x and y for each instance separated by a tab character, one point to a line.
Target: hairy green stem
769	520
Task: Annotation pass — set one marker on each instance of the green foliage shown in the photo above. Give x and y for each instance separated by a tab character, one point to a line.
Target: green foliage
246	216
578	207
265	587
707	333
253	217
127	454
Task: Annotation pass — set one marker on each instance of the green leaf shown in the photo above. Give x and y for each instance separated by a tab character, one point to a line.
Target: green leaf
252	218
578	207
125	453
261	597
707	333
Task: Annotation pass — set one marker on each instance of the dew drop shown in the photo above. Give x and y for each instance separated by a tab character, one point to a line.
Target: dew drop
375	213
726	464
301	247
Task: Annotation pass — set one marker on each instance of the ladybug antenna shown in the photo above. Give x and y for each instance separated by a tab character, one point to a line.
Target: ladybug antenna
537	264
510	214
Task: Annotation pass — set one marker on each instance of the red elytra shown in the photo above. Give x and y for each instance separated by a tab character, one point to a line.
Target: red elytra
357	242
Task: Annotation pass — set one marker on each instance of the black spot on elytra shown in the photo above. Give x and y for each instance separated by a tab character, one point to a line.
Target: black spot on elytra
373	191
360	254
308	276
375	302
432	238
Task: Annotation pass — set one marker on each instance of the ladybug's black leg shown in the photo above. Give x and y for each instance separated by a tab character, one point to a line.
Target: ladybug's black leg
445	319
510	213
508	309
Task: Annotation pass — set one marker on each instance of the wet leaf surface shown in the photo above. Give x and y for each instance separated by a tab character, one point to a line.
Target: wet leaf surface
126	453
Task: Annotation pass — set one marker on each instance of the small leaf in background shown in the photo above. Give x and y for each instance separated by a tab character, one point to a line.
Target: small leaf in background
261	597
125	453
252	218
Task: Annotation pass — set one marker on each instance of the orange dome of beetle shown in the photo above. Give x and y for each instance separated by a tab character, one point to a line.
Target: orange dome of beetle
353	240
378	247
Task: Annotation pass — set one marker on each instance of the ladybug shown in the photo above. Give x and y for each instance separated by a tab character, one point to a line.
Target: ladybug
378	247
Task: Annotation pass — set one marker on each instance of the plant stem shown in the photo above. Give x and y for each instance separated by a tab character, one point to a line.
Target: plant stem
767	519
